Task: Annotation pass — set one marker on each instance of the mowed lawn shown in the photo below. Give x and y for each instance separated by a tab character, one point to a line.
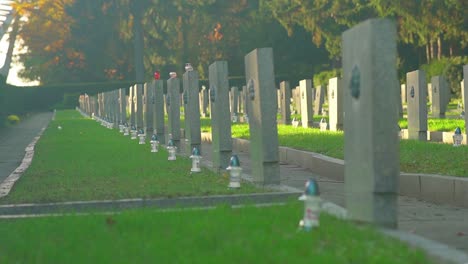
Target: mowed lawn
222	235
85	161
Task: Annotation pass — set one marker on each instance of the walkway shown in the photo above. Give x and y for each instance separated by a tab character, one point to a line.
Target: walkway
14	140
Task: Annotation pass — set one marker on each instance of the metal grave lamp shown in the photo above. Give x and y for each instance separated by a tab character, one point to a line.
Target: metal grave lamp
157	75
121	127
126	130
133	132
295	123
234	118
171	148
142	136
172	75
235	172
312	205
457	137
323	124
154	143
188	67
196	157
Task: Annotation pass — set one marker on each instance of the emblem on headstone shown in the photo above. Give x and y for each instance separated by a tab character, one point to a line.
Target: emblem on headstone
212	93
302	94
355	83
251	89
435	89
332	94
412	92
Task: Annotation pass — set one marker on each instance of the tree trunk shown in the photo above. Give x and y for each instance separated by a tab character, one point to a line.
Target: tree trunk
5	70
428	53
439	48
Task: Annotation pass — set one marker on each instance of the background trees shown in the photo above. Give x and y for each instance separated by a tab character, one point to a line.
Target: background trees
92	40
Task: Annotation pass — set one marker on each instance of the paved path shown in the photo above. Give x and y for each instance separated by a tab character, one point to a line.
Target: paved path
14	140
444	224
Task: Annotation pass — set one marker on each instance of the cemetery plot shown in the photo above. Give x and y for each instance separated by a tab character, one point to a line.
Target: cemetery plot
84	161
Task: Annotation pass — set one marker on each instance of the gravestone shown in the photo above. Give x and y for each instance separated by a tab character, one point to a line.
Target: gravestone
220	115
371	137
204	101
285	102
462	86
234	101
429	93
123	106
335	104
306	97
297	99
173	110
403	93
149	103
158	109
318	99
192	111
260	79
465	98
439	87
131	104
245	99
417	109
139	106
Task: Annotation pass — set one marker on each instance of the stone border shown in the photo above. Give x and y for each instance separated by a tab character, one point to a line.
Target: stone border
161	203
7	184
439	189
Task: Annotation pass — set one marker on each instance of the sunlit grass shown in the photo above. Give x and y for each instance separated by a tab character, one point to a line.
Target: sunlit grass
222	235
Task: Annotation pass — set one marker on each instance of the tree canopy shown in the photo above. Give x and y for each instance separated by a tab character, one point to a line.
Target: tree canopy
92	40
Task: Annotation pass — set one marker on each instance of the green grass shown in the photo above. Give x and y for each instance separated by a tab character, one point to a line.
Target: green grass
436	124
222	235
415	156
85	161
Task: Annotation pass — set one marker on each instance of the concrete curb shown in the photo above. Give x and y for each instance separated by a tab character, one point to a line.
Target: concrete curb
9	182
439	189
162	203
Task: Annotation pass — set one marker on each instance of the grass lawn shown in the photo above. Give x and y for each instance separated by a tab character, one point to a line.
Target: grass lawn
415	156
222	235
85	161
436	124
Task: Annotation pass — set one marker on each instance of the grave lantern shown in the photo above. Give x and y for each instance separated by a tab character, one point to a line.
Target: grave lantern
157	75
457	137
142	136
126	130
171	148
312	204
323	124
235	172
173	75
196	157
121	127
133	132
295	123
188	67
154	143
234	118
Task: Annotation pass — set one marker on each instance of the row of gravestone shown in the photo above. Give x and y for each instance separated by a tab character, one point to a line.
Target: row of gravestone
370	102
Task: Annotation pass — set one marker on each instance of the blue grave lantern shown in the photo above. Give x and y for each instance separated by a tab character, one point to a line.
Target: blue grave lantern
196	157
171	148
457	137
235	172
312	205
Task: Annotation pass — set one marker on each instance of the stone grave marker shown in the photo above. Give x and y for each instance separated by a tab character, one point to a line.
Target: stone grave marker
417	110
371	134
285	102
263	106
192	111
220	115
306	97
335	104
